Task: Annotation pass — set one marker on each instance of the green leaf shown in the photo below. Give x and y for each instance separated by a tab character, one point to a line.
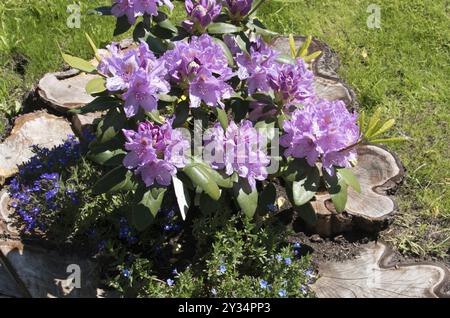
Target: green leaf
349	177
285	59
107	157
246	197
303	49
304	190
307	213
181	114
118	179
99	104
362	121
222	28
226	51
292	45
154	116
312	56
219	177
182	195
337	188
295	170
387	140
267	197
93	46
122	25
373	123
267	127
385	127
155	44
148	205
222	117
96	85
110	126
78	63
200	177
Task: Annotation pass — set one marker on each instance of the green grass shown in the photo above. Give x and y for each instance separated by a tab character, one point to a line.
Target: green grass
402	68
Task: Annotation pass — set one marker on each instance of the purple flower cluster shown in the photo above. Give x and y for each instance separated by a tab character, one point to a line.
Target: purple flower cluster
155	152
322	130
200	68
256	65
238	149
201	13
136	8
138	73
292	84
238	8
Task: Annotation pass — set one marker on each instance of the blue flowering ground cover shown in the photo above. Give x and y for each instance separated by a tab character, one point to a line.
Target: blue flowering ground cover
217	250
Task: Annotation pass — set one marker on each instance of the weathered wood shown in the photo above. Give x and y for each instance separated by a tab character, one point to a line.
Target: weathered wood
373	275
327	83
379	173
38	128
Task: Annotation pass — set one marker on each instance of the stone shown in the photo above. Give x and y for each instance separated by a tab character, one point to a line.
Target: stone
38	128
80	122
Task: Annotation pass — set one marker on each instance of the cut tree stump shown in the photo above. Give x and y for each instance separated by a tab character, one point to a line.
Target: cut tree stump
328	85
38	128
379	173
373	275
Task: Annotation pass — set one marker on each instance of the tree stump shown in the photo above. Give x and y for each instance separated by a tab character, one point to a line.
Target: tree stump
373	275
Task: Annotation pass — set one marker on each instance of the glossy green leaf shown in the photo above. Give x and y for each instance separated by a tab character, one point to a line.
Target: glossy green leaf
222	117
200	177
303	49
149	202
305	189
226	51
222	28
118	179
307	213
96	85
110	125
107	157
99	104
337	188
385	127
374	120
93	47
246	197
349	177
122	25
312	56
79	63
295	170
292	45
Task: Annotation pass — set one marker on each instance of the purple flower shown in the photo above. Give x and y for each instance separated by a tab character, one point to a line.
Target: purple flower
292	84
222	269
282	293
136	8
138	73
256	65
238	149
297	245
170	282
125	272
279	258
201	13
322	130
238	8
155	152
201	69
288	261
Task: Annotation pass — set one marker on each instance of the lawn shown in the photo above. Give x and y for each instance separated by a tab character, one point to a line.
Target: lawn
402	68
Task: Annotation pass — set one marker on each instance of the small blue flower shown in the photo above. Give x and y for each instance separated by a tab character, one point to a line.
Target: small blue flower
170	282
295	252
288	261
272	207
168	228
263	284
282	293
304	289
222	269
297	245
14	204
175	272
279	258
213	291
125	272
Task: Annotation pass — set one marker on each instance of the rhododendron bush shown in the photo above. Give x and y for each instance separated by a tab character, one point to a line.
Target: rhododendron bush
209	106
